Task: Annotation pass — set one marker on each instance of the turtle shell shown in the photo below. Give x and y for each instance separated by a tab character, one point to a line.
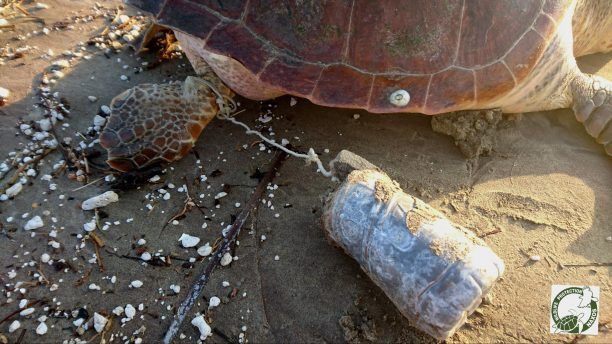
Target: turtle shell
448	55
568	323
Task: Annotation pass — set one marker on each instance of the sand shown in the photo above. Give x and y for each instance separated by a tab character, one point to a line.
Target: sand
545	189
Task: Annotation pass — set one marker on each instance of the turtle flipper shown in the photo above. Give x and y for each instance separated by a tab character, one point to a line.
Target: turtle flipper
153	123
592	105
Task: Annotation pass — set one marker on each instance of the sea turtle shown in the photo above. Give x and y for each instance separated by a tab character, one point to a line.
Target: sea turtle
569	323
385	56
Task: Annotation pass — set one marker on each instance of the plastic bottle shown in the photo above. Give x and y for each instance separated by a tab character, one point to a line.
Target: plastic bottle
434	271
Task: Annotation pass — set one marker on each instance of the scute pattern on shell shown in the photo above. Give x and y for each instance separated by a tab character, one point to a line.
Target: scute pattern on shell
153	123
446	54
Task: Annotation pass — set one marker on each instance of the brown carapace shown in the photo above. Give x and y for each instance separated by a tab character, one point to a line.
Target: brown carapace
448	54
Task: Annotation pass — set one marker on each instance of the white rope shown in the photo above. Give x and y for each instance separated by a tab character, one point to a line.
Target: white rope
310	157
227	106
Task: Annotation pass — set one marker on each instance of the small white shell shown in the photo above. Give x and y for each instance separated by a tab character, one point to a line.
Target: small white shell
201	324
400	98
100	201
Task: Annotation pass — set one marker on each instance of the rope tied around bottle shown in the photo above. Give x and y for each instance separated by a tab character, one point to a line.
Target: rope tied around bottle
227	112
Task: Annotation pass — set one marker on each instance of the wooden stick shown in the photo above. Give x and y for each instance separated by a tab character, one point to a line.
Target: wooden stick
587	264
21	169
495	231
232	234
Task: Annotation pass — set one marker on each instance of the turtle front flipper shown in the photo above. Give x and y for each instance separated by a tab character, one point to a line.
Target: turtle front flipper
153	123
592	105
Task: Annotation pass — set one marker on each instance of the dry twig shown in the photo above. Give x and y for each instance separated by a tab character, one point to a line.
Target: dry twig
23	167
587	264
187	206
495	231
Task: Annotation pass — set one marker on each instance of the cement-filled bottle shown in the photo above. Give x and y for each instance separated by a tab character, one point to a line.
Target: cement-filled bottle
434	271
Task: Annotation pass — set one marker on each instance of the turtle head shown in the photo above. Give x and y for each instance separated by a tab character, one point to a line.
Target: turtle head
153	123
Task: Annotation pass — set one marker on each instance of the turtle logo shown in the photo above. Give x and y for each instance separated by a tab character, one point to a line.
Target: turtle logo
574	309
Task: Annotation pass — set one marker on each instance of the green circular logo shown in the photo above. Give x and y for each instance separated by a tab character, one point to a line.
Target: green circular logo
574	310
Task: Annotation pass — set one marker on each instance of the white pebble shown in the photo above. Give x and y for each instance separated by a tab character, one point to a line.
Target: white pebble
292	102
90	226
276	257
99	322
535	258
175	288
61	63
27	311
14	326
188	240
105	109
92	98
100	200
136	284
122	19
146	256
34	223
4	93
41	329
14	190
130	311
205	250
213	302
45	258
99	121
58	74
226	259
